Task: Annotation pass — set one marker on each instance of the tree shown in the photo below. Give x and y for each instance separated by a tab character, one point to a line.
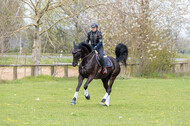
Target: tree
138	24
9	21
39	10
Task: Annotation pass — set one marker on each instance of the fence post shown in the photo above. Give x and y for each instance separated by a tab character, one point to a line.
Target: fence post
181	66
173	68
14	72
131	69
66	71
187	65
125	69
52	70
32	70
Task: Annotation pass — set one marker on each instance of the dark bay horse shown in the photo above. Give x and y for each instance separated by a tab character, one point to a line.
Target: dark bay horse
90	69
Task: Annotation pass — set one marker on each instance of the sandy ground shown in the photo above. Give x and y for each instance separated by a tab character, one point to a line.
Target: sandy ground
6	73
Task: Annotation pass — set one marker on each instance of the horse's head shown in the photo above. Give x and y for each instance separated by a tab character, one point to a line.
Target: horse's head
76	54
80	51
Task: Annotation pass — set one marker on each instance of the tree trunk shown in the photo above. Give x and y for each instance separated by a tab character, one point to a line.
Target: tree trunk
77	30
20	44
143	34
36	51
2	46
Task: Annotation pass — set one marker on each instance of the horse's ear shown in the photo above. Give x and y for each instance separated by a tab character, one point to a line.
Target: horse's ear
74	45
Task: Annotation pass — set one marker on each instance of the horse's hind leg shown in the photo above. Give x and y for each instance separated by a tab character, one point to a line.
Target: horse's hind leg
107	95
105	83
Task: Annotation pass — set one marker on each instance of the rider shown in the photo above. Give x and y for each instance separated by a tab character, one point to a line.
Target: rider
95	37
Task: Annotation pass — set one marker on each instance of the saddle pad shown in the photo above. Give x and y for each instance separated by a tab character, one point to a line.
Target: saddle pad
107	60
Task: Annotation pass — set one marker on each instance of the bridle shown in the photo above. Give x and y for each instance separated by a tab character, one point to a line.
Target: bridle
75	51
79	50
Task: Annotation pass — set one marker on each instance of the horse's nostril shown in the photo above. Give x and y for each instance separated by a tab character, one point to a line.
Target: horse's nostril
74	64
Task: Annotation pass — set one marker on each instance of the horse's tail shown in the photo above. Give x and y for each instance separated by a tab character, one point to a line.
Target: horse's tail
121	52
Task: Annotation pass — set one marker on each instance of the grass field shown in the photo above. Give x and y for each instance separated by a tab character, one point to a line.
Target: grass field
45	101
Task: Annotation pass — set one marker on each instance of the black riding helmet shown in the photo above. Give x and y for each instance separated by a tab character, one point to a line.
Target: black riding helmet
94	25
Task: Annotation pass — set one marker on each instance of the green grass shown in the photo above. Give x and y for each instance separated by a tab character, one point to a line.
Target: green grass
10	60
134	102
166	75
179	55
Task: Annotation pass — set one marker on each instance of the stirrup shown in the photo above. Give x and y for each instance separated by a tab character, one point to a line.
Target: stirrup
104	71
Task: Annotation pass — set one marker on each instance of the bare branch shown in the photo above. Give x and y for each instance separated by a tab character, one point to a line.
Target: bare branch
90	6
32	3
45	9
38	2
17	30
28	4
50	40
55	6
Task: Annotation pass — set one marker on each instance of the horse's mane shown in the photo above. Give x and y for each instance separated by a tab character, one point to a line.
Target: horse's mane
84	44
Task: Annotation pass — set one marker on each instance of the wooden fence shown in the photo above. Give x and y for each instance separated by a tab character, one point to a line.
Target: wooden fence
52	66
65	65
182	65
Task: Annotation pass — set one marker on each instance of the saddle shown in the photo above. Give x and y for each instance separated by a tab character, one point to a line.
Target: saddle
107	60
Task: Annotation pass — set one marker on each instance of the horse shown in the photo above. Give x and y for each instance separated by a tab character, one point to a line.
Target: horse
90	69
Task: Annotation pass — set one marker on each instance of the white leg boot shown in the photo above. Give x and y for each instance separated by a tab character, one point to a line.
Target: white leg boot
86	93
107	100
87	96
104	99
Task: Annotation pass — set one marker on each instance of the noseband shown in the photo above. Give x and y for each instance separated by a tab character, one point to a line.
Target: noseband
75	51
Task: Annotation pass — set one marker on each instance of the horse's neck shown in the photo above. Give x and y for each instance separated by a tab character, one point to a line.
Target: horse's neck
86	58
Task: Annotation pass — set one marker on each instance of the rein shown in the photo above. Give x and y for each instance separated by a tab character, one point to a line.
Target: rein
78	50
86	56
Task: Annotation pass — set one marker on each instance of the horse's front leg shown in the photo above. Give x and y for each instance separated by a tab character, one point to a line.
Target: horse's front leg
80	80
90	78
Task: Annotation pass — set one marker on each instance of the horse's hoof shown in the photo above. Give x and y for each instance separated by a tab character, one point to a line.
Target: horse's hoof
105	105
73	102
87	97
102	102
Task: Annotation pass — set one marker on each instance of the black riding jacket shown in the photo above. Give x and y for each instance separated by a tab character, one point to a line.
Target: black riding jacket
95	38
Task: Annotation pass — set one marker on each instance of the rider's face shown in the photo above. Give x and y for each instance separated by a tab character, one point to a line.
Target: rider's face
94	29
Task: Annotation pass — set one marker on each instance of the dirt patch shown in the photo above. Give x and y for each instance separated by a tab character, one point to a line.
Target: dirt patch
6	73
